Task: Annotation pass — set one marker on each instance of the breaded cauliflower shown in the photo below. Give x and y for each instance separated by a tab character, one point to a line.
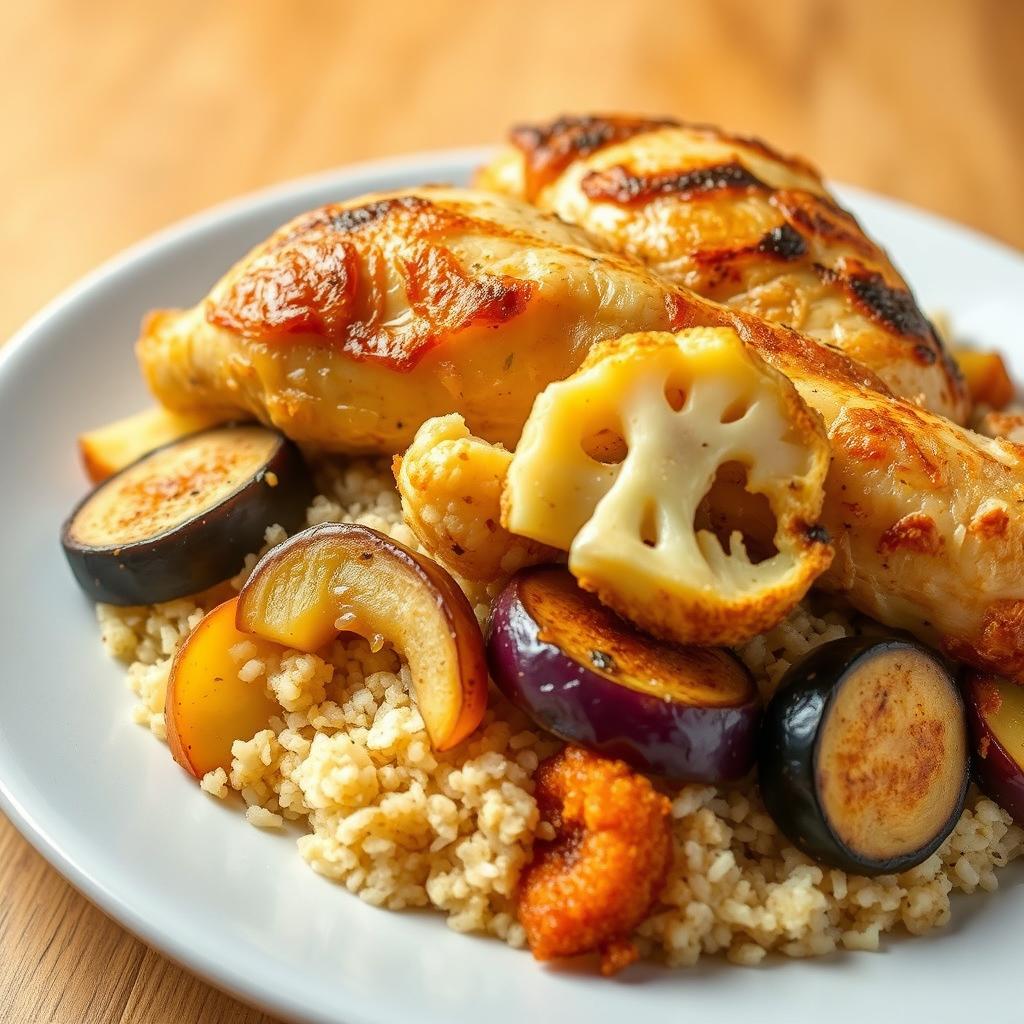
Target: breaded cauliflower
450	483
685	477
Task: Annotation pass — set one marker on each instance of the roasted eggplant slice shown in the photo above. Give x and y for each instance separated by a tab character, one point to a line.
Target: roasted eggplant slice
183	517
863	759
346	577
995	715
584	674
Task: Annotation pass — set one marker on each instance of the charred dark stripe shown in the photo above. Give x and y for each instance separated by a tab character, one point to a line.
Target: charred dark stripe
579	136
894	307
550	148
353	218
619	185
925	354
783	242
820	217
953	371
346	220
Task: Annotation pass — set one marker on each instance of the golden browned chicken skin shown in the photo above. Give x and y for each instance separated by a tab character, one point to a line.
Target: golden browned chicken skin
926	516
739	223
355	323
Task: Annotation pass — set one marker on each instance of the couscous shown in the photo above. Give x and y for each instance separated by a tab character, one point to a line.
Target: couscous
348	760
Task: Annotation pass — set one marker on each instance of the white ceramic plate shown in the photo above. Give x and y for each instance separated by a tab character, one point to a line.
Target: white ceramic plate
101	799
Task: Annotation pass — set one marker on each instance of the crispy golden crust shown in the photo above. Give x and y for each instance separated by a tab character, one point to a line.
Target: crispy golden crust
870	434
311	279
355	323
915	532
590	886
740	223
997	646
550	148
990	523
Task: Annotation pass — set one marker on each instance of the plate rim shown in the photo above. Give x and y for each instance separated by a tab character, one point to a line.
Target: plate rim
254	991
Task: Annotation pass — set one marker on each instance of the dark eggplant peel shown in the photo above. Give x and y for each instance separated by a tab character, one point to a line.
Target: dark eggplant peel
344	577
863	759
581	672
184	517
995	715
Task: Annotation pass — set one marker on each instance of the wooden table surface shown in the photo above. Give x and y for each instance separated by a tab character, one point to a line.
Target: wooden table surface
119	118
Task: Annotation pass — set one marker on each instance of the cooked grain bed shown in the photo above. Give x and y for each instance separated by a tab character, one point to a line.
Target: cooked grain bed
402	826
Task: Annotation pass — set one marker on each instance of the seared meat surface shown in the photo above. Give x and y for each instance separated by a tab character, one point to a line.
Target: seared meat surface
356	322
739	223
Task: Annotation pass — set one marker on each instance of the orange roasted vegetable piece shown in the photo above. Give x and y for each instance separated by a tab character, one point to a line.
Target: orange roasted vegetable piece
208	706
987	378
108	449
590	886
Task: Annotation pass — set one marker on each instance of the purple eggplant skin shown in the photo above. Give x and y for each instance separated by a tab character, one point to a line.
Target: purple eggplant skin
201	551
789	749
997	772
652	733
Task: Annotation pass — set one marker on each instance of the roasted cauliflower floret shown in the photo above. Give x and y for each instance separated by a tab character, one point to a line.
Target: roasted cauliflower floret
684	476
450	483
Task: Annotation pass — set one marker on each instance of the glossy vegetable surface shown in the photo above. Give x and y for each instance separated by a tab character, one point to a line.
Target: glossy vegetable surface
863	759
995	714
342	576
584	674
185	516
208	706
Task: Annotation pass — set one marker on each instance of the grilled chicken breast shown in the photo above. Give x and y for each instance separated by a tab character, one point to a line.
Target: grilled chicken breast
739	223
925	515
355	323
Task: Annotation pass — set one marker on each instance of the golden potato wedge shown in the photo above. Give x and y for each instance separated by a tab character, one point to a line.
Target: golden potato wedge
208	706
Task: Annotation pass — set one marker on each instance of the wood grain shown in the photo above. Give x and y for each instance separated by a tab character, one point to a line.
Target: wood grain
119	118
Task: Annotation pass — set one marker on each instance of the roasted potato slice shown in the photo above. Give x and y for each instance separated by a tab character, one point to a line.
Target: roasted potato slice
108	449
988	380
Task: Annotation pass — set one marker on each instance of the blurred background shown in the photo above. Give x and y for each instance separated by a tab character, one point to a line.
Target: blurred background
119	118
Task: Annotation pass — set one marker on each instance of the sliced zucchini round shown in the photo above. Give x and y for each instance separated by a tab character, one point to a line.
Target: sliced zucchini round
863	758
184	517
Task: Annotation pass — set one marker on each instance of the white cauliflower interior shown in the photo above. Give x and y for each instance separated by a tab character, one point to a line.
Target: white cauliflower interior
684	477
450	483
